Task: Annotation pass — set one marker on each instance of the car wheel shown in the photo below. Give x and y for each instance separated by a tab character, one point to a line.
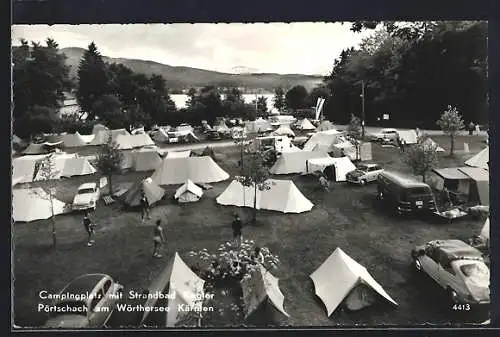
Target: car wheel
362	182
418	265
452	295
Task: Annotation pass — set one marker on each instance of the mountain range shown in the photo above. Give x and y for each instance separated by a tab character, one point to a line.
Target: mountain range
179	78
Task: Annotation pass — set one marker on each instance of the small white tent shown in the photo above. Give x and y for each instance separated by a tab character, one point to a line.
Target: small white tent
408	136
174	171
127	142
189	192
339	167
34	204
341	279
485	232
258	125
145	160
294	161
306	125
152	191
262	295
73	140
284	130
480	160
178	154
282	196
322	141
185	289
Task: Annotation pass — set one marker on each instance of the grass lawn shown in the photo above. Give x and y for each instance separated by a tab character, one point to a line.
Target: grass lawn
347	217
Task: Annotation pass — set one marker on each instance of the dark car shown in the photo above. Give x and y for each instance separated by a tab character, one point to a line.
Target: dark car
86	302
213	135
456	267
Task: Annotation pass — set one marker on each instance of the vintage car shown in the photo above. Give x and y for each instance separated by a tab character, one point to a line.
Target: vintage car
364	173
86	302
86	197
456	267
388	134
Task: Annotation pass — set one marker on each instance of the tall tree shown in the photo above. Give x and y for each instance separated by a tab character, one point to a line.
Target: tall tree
109	161
296	97
233	103
354	132
451	123
279	99
93	80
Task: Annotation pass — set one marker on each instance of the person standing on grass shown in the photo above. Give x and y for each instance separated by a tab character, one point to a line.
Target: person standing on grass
89	227
237	225
158	238
144	206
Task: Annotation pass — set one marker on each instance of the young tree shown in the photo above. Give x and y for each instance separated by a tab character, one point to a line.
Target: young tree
451	123
49	173
109	161
354	131
255	174
92	79
261	106
422	157
279	99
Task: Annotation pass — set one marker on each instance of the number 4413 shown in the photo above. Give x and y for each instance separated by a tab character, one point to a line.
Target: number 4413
461	307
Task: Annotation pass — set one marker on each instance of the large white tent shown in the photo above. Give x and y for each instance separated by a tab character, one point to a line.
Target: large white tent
68	165
306	125
202	170
145	159
323	141
480	160
282	196
408	136
342	279
294	161
339	166
152	191
261	294
127	142
74	140
34	204
189	192
258	125
177	278
284	130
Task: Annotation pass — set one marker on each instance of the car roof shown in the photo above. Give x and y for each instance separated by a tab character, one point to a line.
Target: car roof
87	185
84	283
403	180
456	249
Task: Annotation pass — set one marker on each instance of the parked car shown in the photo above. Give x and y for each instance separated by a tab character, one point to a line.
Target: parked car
457	268
365	172
86	197
404	195
86	302
388	134
213	135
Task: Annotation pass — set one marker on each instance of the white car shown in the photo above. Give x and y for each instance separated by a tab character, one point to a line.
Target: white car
86	197
385	134
364	174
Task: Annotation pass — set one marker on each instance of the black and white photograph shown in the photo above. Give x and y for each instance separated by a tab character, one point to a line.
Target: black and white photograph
256	175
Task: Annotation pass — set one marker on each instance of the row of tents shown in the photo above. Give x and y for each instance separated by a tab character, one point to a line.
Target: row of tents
338	281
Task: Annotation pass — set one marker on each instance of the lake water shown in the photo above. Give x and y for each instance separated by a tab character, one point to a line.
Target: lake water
180	100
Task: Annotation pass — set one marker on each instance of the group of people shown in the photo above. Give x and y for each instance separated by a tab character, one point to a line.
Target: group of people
158	234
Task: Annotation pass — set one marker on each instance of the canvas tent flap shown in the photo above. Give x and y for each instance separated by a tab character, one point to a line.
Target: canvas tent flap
295	161
485	232
480	160
283	196
174	171
338	276
190	187
153	192
178	154
34	204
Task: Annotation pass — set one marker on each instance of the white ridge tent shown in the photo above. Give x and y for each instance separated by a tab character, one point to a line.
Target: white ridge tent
339	166
23	168
178	154
68	165
73	140
284	130
283	196
261	294
258	125
322	141
306	125
294	162
189	192
152	191
145	159
176	278
408	136
341	279
480	160
127	142
34	204
485	232
430	143
200	170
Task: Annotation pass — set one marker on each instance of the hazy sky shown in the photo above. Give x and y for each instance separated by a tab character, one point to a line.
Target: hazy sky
306	48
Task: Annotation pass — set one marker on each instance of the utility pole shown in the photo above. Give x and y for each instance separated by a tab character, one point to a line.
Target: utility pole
362	109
